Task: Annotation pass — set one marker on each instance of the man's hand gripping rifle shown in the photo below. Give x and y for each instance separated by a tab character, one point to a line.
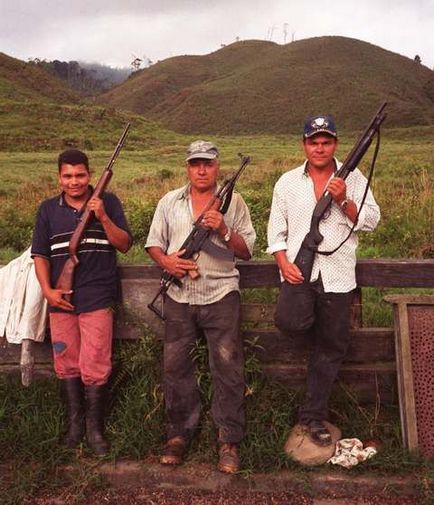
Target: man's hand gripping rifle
309	247
198	239
66	278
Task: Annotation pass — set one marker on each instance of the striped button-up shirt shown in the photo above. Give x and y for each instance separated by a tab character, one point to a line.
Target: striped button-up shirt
291	211
172	223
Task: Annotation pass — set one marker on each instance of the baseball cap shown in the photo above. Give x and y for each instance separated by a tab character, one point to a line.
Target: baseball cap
202	149
319	124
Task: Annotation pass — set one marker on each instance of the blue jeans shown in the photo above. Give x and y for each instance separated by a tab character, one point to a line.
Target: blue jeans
303	307
220	323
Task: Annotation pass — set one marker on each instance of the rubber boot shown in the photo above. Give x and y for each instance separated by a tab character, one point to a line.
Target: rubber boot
73	398
95	404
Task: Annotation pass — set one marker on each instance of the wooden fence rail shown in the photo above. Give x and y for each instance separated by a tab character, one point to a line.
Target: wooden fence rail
369	370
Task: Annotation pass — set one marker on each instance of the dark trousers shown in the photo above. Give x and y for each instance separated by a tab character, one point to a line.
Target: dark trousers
220	323
302	307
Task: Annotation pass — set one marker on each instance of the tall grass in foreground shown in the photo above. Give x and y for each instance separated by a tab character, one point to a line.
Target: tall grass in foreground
31	422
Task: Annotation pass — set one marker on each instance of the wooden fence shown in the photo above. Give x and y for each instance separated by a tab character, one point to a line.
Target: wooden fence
369	370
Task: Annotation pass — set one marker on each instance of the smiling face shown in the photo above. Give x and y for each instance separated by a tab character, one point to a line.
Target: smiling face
320	150
203	173
74	181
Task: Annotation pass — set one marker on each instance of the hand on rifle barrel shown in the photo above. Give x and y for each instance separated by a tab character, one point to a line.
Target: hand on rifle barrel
97	205
338	189
55	299
214	219
177	266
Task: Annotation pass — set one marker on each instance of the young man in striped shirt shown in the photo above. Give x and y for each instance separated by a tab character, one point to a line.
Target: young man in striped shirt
81	330
209	303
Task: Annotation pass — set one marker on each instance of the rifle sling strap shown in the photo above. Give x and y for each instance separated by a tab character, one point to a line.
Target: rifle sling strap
368	183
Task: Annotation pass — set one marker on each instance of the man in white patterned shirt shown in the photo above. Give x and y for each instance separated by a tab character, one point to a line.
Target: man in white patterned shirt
209	303
321	303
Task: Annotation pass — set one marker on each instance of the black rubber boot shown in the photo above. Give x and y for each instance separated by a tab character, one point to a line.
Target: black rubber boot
73	398
95	404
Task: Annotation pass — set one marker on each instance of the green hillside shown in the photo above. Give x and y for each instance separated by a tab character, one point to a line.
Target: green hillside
40	113
22	81
263	87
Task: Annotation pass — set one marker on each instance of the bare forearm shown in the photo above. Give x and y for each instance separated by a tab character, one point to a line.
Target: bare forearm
43	271
117	237
237	244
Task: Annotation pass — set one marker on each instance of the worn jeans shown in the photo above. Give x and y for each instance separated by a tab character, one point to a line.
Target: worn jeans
220	324
302	307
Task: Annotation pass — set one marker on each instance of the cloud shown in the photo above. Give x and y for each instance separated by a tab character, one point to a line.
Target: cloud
110	31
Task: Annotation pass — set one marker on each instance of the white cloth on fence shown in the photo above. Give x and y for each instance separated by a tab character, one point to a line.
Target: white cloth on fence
23	308
349	452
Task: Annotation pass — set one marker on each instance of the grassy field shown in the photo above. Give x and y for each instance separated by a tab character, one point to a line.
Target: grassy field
31	419
403	185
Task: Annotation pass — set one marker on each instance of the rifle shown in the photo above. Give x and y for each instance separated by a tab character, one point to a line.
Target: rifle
66	278
306	255
198	239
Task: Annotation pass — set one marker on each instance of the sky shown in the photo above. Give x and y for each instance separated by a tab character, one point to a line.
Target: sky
115	32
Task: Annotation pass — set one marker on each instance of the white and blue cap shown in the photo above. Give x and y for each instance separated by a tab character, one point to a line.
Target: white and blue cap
319	124
202	149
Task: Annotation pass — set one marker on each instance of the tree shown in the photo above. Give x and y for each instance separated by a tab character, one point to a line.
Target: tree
417	59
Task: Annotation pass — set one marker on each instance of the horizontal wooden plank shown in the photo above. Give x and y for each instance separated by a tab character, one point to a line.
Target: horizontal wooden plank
11	353
367	345
385	273
369	384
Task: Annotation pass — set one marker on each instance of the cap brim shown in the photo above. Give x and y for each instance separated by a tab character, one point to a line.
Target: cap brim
316	132
203	156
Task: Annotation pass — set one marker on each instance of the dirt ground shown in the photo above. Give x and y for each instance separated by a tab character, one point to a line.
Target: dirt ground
146	496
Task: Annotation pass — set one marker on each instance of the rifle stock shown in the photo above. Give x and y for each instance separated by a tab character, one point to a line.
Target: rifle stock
306	254
66	277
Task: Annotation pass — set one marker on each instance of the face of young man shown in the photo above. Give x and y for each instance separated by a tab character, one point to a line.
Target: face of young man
74	181
203	173
320	150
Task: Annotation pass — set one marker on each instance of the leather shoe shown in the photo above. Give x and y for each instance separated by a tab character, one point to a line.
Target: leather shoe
229	461
174	451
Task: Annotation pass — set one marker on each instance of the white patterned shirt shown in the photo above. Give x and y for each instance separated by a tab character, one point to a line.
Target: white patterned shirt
291	212
171	225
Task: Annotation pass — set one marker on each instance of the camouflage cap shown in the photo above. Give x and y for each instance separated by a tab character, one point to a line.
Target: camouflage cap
319	124
202	149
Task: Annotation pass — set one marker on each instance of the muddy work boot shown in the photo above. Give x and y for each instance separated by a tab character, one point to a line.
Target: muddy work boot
229	461
95	405
173	452
72	391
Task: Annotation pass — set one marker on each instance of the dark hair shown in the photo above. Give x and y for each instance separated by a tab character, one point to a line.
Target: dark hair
73	157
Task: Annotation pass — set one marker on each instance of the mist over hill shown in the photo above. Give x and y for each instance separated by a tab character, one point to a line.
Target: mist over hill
23	81
262	87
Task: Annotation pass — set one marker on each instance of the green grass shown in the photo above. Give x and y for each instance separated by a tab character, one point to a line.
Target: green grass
31	423
403	186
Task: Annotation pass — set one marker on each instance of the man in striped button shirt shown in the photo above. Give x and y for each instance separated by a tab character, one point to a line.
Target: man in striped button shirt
209	303
321	303
81	331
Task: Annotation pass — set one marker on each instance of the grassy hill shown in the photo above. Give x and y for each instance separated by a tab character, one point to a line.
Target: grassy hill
263	87
40	113
22	81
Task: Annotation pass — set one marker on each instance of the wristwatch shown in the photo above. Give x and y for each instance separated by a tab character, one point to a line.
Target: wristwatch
344	204
227	235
